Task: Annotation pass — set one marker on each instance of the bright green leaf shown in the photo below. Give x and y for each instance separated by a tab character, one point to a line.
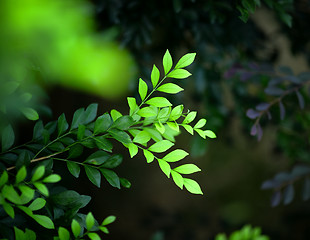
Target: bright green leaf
187	169
115	114
133	149
210	134
170	88
176	112
147	112
201	123
163	114
63	234
160	127
188	128
39	172
8	209
165	167
93	175
142	89
42	188
21	174
93	236
30	113
10	193
108	220
186	60
111	177
62	124
159	102
142	137
102	123
167	62
155	76
192	186
53	178
8	137
175	155
161	146
104	229
148	155
201	133
177	178
132	103
44	221
179	74
73	168
174	126
37	204
190	117
76	228
155	135
125	183
90	221
4	178
27	192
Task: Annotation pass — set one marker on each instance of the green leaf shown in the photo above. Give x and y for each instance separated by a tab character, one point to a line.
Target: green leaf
147	112
170	88
93	236
73	168
44	221
186	60
90	113
63	234
133	149
38	130
159	102
177	178
30	113
21	174
155	135
165	167
161	146
201	133
26	191
115	114
148	155
75	151
192	186
175	155
103	143
53	178
42	188
10	193
8	137
81	132
142	89
111	177
160	127
62	124
142	137
19	234
155	76
93	175
37	204
70	199
8	209
174	126
56	147
113	161
201	123
179	74
108	220
102	123
39	172
132	103
104	229
120	136
190	117
4	178
77	118
187	169
90	221
125	183
167	62
176	112
123	123
188	128
210	134
163	114
76	228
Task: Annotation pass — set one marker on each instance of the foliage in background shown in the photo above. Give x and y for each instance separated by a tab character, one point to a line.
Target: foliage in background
246	233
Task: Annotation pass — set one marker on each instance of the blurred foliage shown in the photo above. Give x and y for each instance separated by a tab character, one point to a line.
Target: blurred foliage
246	233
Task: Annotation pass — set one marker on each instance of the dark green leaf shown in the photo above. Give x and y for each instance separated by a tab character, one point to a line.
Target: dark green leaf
103	143
70	199
8	209
120	136
62	124
73	168
288	194
81	132
125	183
111	177
78	118
67	141
113	161
4	178
57	147
98	158
102	123
123	123
75	151
93	175
90	113
8	137
38	130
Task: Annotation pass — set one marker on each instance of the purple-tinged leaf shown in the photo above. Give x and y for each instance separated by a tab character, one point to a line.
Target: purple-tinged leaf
262	106
274	91
306	189
283	177
301	100
282	110
300	170
288	194
254	130
252	114
275	81
276	198
269	115
293	79
259	132
269	184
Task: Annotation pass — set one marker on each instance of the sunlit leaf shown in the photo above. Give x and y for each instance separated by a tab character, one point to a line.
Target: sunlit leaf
177	178
186	60
187	169
170	88
155	76
142	89
158	102
167	62
161	146
179	74
148	155
165	167
192	186
175	155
